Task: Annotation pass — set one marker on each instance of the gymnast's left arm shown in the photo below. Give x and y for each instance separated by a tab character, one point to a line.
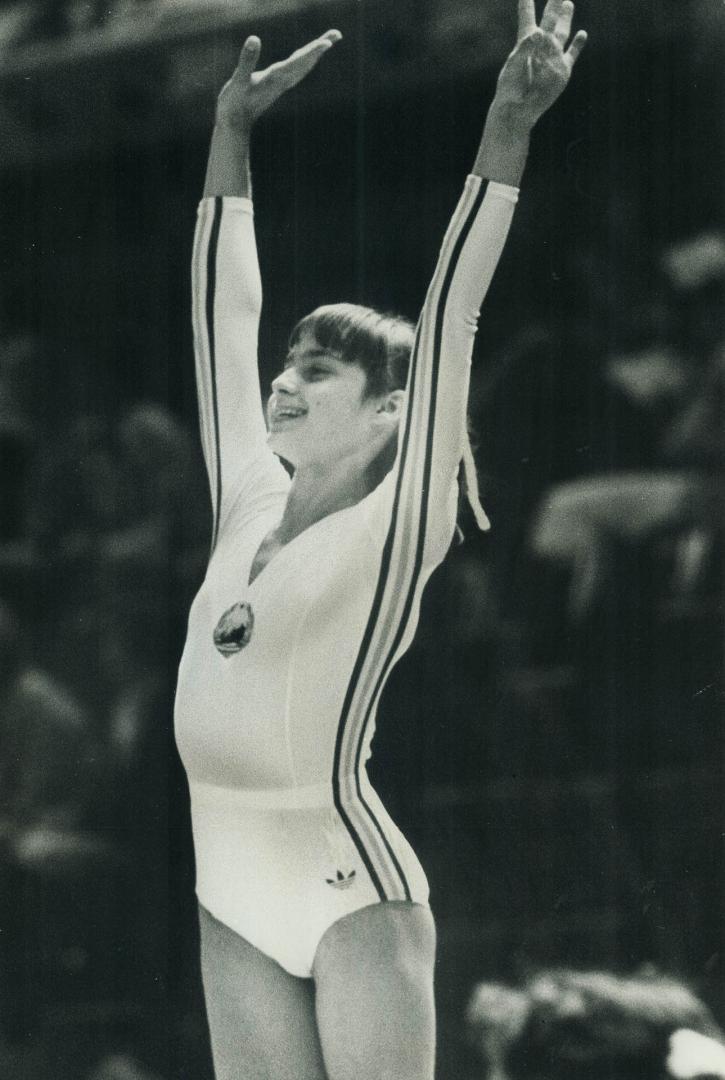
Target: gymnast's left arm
433	437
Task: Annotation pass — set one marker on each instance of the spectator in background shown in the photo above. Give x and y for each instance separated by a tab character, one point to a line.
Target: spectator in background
82	494
582	524
48	750
495	1018
114	546
594	1025
694	1055
48	780
159	557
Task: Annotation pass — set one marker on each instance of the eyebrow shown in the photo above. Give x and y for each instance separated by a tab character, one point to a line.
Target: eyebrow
311	354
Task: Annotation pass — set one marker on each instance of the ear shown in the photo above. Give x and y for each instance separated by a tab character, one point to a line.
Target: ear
389	409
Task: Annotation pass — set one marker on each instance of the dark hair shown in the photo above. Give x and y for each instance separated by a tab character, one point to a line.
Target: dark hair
380	344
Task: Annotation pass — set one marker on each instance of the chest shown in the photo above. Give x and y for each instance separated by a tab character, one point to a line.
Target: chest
270	547
284	583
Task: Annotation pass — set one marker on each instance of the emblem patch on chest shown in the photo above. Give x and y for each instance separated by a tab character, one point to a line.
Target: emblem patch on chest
234	629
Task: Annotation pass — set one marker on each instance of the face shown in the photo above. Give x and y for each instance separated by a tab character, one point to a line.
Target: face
318	411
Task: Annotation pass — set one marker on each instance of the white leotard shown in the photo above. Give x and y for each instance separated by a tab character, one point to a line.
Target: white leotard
275	737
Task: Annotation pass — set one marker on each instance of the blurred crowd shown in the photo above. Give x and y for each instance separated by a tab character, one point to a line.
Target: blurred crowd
27	22
668	395
566	1025
103	540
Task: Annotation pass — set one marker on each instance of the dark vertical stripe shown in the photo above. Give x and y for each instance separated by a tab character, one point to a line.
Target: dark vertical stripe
365	645
382	583
387	551
437	339
211	259
386	842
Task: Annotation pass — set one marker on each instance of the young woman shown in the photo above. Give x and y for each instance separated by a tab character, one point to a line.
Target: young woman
317	940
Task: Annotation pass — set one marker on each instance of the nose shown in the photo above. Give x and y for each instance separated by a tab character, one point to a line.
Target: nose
285	382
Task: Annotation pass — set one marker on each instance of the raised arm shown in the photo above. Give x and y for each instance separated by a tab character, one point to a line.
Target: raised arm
226	286
242	100
433	436
533	77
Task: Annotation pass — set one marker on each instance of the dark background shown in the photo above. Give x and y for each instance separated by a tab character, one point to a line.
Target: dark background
555	756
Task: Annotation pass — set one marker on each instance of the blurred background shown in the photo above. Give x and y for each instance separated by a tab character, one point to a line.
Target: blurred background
553	743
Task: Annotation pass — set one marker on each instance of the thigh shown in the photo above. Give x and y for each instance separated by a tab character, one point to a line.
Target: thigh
374	994
261	1019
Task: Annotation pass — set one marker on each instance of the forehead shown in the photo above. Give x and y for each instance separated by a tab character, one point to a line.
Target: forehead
307	349
307	344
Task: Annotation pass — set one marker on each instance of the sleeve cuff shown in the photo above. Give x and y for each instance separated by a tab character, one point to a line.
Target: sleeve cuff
501	191
232	202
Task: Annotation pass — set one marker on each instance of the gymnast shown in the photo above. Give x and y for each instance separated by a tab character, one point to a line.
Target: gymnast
317	941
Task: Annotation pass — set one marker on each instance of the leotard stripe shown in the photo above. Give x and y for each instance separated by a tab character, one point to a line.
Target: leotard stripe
199	343
425	487
201	340
205	254
210	298
404	534
389	619
352	686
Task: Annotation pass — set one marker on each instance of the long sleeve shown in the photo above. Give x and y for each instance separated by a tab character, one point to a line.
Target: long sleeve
226	305
412	513
416	514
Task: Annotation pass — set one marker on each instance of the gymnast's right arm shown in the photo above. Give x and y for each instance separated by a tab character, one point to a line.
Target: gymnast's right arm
226	286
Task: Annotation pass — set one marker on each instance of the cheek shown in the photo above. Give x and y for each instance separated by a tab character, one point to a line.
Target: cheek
337	408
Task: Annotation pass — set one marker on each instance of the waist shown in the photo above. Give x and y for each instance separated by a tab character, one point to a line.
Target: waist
289	798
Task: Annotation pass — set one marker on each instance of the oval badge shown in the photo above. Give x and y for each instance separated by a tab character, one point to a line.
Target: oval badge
234	629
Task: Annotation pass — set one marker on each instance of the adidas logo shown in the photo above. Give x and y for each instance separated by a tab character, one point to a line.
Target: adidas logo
340	881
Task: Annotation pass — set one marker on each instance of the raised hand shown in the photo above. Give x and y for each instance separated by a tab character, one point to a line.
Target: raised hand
249	93
539	68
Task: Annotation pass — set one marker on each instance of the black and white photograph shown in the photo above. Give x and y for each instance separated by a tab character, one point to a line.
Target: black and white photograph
362	540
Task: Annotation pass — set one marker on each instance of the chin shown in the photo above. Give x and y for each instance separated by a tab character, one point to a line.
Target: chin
282	447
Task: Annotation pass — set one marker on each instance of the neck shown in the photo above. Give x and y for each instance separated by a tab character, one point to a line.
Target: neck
321	489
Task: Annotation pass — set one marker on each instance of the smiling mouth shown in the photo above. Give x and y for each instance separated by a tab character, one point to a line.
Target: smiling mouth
286	414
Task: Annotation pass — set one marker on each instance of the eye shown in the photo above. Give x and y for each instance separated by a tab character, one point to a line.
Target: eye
316	371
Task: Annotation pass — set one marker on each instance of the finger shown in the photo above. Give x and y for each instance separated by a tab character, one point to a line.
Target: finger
563	24
552	13
249	56
333	36
323	42
578	43
300	63
545	46
527	18
534	45
307	56
526	52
